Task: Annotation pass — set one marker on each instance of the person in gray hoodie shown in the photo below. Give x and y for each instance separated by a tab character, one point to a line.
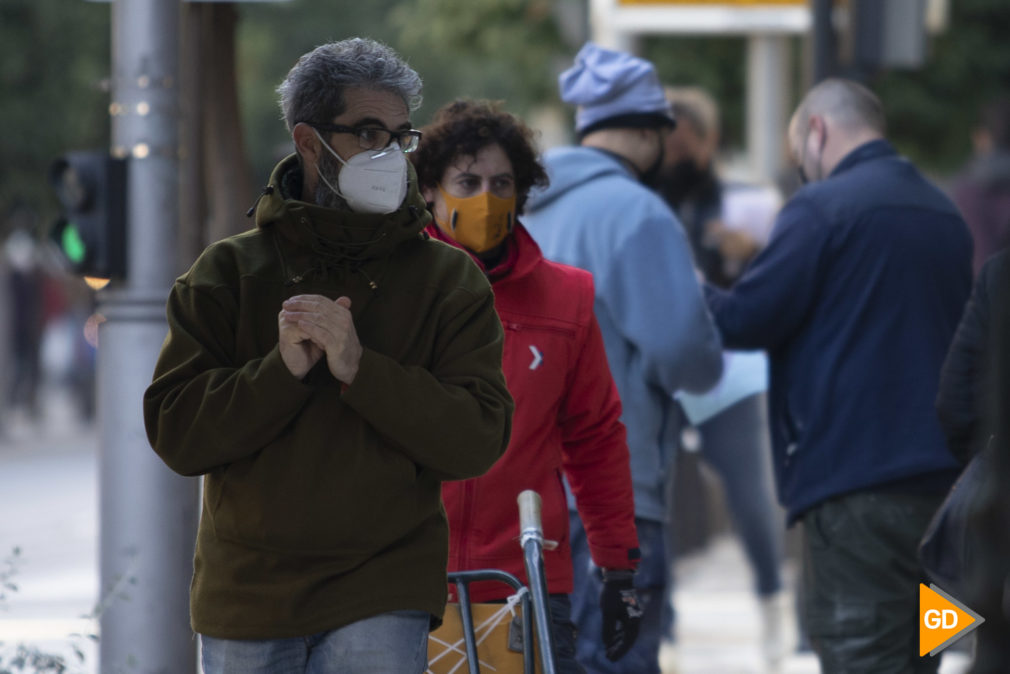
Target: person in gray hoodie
598	214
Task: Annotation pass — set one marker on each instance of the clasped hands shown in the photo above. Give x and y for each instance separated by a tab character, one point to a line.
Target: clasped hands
312	325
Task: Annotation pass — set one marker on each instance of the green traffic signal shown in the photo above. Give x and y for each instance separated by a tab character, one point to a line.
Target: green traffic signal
91	232
72	244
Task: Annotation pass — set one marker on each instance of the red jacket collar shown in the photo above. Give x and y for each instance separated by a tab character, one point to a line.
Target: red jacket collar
521	256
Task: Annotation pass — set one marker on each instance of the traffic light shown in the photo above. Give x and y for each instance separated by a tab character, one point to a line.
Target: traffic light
91	233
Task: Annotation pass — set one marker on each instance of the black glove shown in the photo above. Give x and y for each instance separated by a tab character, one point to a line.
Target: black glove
621	612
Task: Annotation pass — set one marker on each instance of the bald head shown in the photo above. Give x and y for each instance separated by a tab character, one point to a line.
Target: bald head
849	104
834	118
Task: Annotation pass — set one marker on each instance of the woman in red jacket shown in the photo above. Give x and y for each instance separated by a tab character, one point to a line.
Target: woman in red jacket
475	166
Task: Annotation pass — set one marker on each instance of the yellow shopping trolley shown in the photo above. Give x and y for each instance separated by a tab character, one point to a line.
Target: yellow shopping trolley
500	637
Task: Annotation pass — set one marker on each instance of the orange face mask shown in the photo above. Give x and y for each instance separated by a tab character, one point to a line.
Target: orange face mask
478	223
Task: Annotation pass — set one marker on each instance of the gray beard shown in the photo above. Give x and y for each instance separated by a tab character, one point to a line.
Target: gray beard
328	167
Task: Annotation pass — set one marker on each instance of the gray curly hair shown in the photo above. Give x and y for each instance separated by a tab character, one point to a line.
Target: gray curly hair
313	90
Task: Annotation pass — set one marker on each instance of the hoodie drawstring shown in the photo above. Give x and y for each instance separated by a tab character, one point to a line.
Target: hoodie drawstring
269	189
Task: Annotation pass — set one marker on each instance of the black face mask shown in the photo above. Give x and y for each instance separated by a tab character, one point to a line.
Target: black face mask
803	175
682	180
651	176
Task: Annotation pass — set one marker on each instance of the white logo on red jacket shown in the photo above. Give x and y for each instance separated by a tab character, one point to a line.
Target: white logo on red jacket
537	357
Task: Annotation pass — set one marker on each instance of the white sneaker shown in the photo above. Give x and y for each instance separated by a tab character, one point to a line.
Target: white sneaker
774	610
668	658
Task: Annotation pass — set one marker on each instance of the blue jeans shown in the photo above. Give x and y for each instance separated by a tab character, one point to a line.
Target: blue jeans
735	444
395	642
650	581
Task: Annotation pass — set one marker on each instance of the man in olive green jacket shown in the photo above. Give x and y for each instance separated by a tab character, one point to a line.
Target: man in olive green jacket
325	372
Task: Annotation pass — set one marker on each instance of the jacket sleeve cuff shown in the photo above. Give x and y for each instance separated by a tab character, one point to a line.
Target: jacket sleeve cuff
276	377
616	558
362	389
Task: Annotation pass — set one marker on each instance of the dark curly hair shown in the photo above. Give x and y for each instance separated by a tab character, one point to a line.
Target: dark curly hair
463	128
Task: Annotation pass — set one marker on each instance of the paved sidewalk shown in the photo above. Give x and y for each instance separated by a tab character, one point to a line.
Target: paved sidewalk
49	513
718	621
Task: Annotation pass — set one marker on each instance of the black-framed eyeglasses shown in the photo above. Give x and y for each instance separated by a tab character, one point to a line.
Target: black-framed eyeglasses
376	137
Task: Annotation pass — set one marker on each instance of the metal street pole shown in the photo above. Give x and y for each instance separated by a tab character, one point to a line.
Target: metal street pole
768	92
148	514
825	44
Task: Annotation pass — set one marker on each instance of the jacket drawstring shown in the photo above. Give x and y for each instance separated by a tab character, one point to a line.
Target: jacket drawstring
347	256
371	283
269	189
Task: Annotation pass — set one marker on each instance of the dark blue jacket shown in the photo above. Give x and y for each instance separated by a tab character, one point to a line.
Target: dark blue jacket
856	299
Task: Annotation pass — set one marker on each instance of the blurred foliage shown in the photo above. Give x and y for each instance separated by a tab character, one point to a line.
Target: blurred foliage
54	69
23	658
271	37
931	111
500	49
508	46
716	64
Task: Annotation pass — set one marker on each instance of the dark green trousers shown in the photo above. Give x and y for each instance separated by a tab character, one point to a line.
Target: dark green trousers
861	578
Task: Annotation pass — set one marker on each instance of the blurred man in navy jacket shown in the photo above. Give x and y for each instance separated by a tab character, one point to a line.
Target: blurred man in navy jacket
856	299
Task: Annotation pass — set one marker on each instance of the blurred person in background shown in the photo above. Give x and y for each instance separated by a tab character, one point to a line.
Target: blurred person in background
982	190
81	318
326	372
727	222
599	215
972	405
6	353
856	299
25	285
732	430
475	166
44	348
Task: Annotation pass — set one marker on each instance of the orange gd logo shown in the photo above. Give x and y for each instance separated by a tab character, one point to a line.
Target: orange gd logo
942	620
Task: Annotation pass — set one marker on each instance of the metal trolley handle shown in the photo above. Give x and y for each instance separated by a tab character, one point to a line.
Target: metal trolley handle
530	526
531	538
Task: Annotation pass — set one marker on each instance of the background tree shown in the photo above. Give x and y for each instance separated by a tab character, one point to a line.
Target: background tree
718	64
55	64
932	110
216	179
499	49
54	71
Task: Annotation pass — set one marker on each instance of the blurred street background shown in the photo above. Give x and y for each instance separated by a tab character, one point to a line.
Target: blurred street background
61	90
49	533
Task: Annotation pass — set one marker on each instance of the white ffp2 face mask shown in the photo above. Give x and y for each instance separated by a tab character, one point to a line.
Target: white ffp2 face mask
370	182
